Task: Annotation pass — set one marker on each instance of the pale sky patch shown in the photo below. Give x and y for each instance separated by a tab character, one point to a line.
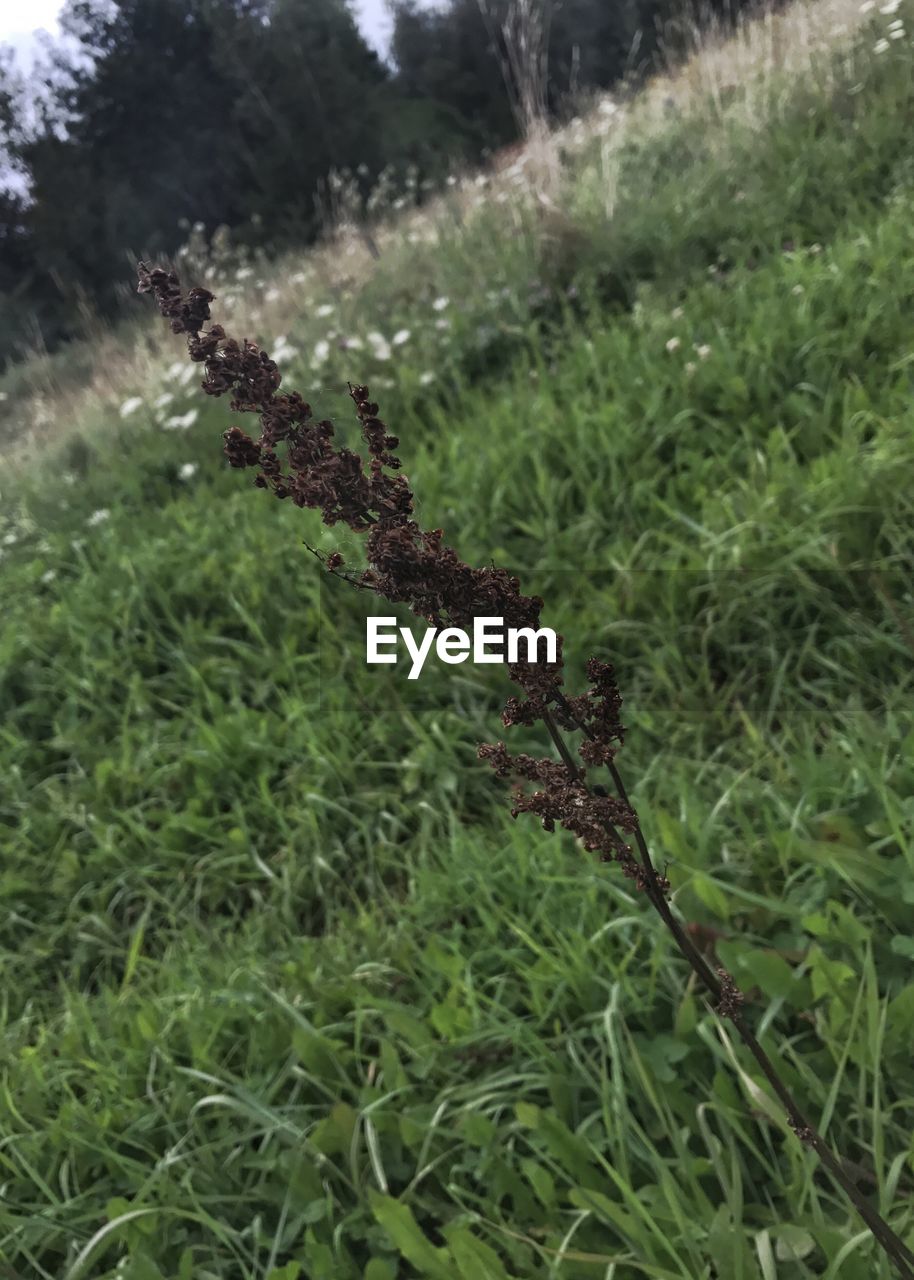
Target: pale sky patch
19	19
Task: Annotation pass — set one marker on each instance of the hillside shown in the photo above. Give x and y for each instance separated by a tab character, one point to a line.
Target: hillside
287	993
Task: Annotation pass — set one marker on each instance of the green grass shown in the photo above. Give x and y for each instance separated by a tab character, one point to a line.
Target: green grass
285	990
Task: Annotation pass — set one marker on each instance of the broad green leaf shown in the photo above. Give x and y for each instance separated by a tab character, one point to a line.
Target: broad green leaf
817	923
900	1017
792	1243
291	1271
768	970
478	1130
316	1052
451	1018
380	1269
572	1153
475	1259
711	895
334	1132
442	959
541	1180
597	1202
321	1262
142	1267
413	1030
528	1114
686	1016
829	977
144	1022
395	1076
397	1220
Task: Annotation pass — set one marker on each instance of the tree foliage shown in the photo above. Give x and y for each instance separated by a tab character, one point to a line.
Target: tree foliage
155	113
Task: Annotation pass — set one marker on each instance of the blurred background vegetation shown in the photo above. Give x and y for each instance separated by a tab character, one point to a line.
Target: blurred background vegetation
154	114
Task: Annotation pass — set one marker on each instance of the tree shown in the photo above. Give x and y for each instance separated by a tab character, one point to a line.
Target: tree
449	58
310	98
160	111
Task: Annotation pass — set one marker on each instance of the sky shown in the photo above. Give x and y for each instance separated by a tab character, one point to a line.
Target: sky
20	18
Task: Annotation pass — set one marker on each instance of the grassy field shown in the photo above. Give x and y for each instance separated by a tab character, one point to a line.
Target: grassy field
286	993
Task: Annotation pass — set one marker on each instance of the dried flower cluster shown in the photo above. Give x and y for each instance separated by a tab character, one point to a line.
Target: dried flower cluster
412	566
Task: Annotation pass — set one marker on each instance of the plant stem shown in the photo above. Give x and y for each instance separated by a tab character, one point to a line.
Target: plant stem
893	1245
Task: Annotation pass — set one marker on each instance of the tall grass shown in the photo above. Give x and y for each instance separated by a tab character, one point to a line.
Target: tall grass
286	991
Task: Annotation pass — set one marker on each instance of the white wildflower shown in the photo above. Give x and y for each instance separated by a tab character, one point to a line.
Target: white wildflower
897	34
99	516
180	422
283	350
164	399
672	344
272	295
703	351
321	351
10	539
690	367
880	46
131	405
379	346
325	309
186	470
426	377
440	303
351	344
401	336
797	289
443	323
867	6
49	575
676	313
892	7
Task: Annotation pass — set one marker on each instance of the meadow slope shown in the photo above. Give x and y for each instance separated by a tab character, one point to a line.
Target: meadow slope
286	992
